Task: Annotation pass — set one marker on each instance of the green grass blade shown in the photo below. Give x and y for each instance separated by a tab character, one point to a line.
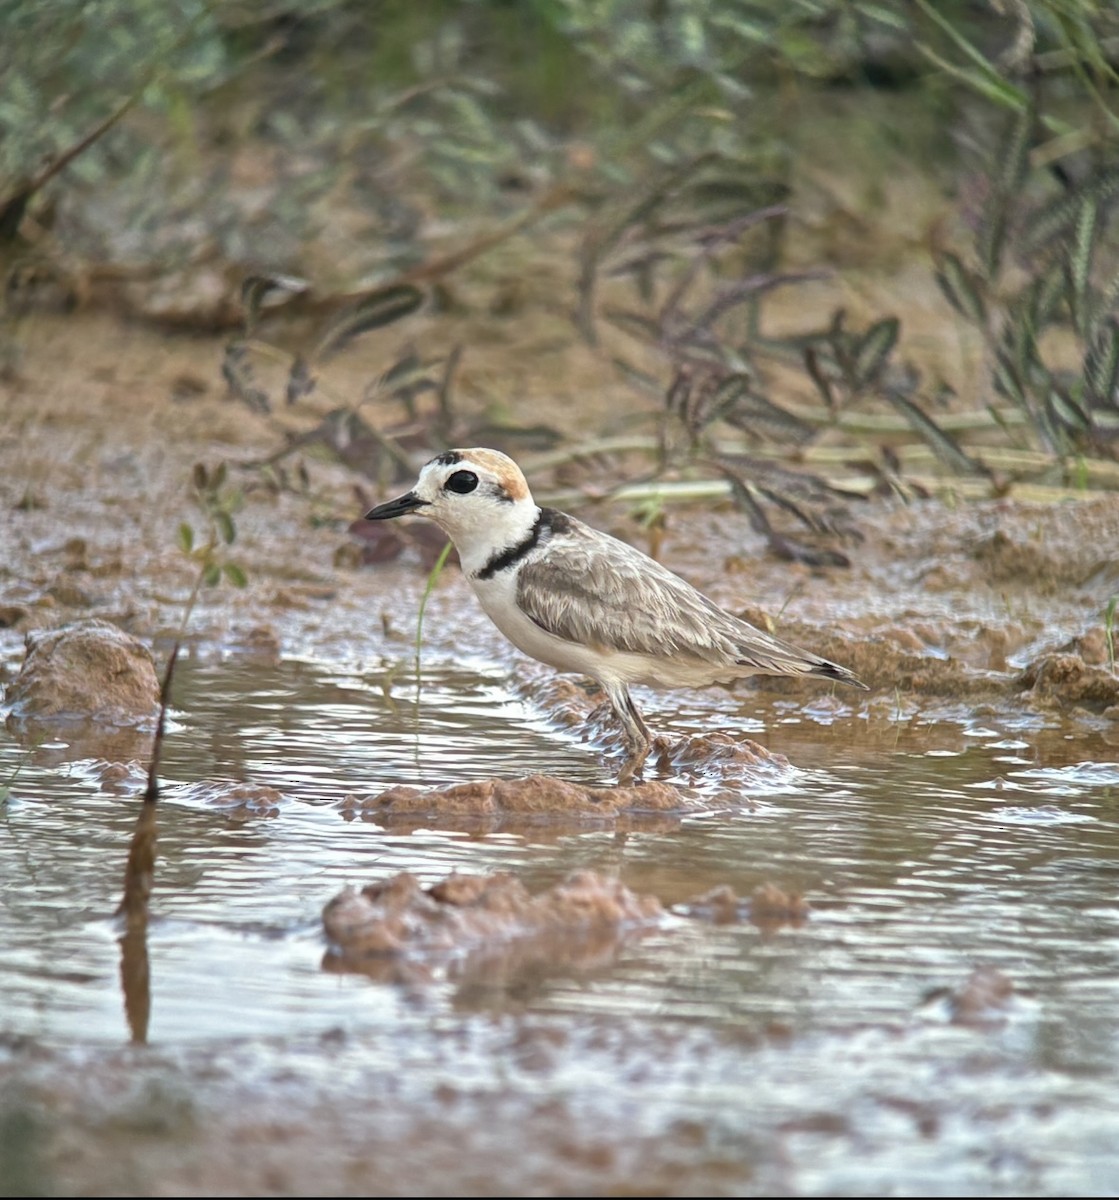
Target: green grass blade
429	587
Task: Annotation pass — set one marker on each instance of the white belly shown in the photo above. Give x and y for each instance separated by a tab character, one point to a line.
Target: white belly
498	599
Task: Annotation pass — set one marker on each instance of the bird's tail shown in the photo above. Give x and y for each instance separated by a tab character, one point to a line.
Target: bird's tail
766	655
830	670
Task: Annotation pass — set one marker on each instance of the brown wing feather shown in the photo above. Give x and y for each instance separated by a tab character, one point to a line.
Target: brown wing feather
625	600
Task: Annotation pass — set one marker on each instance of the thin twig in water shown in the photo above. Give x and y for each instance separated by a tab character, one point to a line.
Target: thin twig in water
151	792
1109	630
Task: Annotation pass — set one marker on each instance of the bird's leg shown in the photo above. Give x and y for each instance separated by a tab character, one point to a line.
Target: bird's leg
634	732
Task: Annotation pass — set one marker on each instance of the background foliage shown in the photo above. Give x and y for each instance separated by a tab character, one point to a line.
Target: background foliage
140	138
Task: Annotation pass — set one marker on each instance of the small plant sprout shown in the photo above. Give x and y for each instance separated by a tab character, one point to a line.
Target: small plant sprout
429	587
793	593
1109	630
218	504
651	515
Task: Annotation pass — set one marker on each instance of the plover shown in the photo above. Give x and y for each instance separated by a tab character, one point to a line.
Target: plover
584	602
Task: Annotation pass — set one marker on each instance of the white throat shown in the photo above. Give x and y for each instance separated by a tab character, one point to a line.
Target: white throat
507	526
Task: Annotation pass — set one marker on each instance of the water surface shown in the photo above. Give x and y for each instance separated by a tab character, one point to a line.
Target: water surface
818	1058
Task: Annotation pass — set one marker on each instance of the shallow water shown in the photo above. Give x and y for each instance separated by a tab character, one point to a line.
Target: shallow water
818	1057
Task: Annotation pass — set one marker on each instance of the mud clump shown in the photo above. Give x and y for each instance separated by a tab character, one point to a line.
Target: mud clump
702	750
12	614
399	923
984	1000
236	799
491	926
89	671
768	906
984	996
531	796
1066	680
1091	646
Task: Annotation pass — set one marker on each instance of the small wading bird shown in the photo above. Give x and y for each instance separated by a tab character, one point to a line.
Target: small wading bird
583	601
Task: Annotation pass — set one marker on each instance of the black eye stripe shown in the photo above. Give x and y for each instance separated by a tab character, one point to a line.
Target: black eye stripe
462	482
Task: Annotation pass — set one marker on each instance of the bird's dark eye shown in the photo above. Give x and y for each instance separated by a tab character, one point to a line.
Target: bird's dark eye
462	482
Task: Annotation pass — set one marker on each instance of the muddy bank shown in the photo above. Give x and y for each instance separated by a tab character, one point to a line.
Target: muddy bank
935	608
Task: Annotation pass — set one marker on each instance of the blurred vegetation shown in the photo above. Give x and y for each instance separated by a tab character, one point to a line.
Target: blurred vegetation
304	152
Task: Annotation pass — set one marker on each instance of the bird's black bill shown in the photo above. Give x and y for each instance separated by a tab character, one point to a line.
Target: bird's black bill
402	505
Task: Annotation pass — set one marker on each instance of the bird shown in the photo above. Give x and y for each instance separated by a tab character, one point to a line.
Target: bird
585	602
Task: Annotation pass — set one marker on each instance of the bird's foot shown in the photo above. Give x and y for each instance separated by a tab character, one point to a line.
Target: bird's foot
629	776
633	769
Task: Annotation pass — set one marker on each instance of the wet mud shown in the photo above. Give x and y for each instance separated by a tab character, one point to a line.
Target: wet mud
995	608
534	796
491	927
394	928
89	670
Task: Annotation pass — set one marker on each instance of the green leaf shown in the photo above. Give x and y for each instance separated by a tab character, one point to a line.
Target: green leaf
381	308
872	351
1006	189
757	415
235	575
1064	409
257	291
404	371
301	380
961	288
991	236
678	394
1080	257
226	528
636	324
986	77
1006	379
1106	422
186	538
237	372
1055	219
726	396
1101	366
692	36
993	87
1043	298
641	380
211	574
885	16
816	372
429	587
1014	153
942	443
